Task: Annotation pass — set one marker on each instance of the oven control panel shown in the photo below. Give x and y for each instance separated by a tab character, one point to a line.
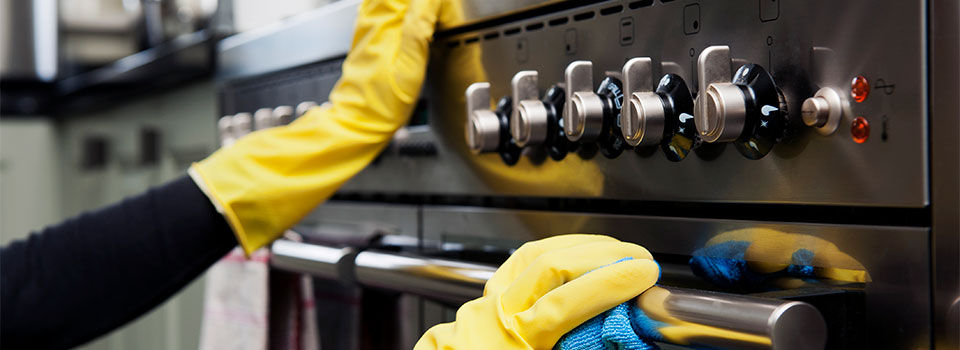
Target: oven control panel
813	102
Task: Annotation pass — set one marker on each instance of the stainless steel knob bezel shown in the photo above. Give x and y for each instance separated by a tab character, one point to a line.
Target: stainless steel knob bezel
482	131
482	126
263	119
528	121
823	111
724	113
283	115
715	121
643	117
303	107
225	129
242	124
583	110
647	119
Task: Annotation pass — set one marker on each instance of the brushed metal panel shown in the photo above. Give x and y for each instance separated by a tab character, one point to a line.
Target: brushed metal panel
896	258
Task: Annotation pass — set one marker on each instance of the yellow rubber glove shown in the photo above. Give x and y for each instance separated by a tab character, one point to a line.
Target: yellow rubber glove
543	291
269	180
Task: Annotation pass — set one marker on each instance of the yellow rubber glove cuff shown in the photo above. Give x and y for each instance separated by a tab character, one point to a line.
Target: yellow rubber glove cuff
543	291
270	179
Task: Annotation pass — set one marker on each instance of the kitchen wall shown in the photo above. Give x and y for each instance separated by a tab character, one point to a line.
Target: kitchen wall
54	168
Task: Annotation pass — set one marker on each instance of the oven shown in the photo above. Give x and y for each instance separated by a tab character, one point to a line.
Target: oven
680	125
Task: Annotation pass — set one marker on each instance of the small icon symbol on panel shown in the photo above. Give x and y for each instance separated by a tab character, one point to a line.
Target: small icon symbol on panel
691	19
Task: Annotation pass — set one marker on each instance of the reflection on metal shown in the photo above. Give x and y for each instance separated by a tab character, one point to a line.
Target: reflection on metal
690	317
749	256
437	278
730	321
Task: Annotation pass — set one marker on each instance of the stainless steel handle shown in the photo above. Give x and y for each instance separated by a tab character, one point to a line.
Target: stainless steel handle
704	318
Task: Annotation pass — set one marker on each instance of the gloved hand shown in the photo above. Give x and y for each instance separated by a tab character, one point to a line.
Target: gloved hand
270	179
750	257
543	291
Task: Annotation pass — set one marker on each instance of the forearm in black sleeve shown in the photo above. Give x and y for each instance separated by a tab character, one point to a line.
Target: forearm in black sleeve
86	276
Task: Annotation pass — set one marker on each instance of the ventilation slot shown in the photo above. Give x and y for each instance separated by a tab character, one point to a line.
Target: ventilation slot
491	36
535	26
638	4
511	31
558	21
583	16
611	10
471	40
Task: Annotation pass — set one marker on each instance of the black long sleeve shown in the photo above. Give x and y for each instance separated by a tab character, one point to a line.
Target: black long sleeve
88	275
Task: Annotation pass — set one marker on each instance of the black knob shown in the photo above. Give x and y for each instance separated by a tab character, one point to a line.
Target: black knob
611	140
766	111
557	143
508	149
680	130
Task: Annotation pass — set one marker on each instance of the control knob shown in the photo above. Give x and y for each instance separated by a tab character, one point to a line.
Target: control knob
749	110
528	122
263	119
536	121
662	117
303	107
283	115
486	130
583	109
823	111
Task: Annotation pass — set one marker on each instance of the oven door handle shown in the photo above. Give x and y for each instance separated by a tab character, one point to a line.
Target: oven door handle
718	320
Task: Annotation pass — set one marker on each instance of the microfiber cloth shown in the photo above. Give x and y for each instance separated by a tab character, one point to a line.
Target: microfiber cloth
624	327
724	265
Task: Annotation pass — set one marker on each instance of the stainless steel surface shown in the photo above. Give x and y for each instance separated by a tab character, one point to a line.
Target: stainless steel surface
528	122
756	323
583	110
823	111
724	113
317	260
908	165
482	129
945	170
712	319
897	301
887	172
324	33
890	172
437	278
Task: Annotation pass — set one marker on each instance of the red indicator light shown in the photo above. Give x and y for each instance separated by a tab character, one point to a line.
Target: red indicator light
860	130
859	89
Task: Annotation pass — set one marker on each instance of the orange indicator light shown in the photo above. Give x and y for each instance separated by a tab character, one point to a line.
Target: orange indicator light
859	89
860	130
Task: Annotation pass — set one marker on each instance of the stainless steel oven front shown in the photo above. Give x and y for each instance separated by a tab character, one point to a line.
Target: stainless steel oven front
672	124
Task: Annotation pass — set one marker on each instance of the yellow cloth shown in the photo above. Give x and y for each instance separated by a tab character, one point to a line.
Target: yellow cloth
543	291
270	179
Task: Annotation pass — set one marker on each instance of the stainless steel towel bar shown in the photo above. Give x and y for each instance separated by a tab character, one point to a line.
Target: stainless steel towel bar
689	317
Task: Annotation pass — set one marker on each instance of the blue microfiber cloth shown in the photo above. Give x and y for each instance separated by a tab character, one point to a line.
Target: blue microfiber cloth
724	265
624	327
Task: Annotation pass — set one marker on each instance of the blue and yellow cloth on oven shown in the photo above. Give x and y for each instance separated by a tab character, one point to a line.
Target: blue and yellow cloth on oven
743	258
